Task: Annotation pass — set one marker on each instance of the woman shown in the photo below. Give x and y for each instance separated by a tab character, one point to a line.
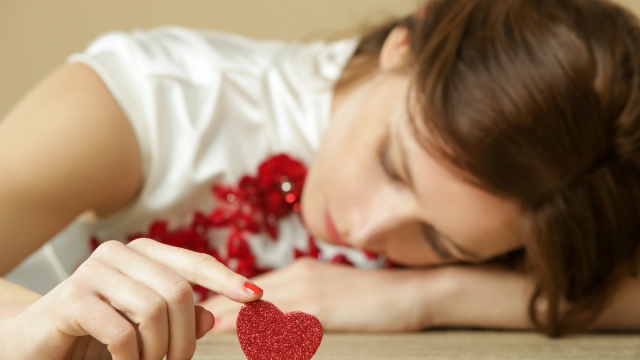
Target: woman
469	134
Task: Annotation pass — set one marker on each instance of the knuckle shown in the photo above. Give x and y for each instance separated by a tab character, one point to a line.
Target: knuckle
80	283
315	308
203	261
122	335
140	242
180	292
109	248
71	290
154	309
90	266
303	274
305	265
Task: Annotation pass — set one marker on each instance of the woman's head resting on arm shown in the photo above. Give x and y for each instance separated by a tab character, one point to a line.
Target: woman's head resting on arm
383	192
486	126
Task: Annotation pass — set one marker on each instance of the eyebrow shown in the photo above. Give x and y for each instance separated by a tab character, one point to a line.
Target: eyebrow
469	255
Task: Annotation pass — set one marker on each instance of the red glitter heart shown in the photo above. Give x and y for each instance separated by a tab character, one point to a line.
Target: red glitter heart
265	332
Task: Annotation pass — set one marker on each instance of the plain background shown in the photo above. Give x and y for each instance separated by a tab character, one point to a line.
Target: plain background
37	35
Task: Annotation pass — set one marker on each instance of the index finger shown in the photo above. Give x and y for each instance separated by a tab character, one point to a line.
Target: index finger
199	268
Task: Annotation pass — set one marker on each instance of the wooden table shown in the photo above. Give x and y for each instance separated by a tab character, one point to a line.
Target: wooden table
447	345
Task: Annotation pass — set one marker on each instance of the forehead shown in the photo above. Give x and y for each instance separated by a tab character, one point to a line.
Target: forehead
472	217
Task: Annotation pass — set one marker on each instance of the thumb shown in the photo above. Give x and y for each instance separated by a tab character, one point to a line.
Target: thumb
204	321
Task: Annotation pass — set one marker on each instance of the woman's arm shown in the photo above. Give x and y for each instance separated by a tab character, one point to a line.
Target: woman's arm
68	148
494	297
65	148
343	298
623	313
349	299
481	296
14	299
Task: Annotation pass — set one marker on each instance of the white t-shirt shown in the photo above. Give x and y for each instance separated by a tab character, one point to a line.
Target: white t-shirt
207	108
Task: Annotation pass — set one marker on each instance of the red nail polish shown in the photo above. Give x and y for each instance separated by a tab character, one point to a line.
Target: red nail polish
252	288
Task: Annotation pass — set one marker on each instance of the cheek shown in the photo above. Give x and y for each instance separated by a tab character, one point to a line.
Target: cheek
322	180
407	247
345	172
335	184
343	175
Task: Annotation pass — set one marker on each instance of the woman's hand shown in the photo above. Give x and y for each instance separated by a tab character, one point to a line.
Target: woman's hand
135	299
342	297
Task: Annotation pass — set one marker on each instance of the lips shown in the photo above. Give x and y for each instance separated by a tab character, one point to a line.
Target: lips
333	232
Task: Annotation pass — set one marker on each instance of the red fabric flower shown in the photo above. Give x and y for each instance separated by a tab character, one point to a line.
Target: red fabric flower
257	203
200	223
280	180
237	246
158	230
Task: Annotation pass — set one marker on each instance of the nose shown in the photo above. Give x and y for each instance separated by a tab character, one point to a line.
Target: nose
374	221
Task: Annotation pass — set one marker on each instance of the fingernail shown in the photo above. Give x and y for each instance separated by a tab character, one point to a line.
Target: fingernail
252	288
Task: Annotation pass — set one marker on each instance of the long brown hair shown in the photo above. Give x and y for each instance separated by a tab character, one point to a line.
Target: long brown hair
539	101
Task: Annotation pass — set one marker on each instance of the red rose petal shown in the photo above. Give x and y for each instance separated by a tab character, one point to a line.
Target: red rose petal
265	332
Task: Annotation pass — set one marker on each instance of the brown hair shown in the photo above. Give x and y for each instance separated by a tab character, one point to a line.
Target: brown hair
538	101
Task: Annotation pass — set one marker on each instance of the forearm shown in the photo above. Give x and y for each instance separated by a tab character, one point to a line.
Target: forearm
623	310
14	299
496	298
482	297
92	160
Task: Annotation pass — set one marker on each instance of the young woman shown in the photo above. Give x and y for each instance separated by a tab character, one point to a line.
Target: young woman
487	147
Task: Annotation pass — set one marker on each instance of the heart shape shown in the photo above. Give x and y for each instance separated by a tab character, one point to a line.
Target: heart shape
265	332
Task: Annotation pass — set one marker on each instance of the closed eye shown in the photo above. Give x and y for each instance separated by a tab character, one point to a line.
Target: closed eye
385	161
432	237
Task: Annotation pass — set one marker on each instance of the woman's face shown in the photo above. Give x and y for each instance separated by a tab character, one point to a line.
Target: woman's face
373	186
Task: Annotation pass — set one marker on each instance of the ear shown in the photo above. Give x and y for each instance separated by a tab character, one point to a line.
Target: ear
396	50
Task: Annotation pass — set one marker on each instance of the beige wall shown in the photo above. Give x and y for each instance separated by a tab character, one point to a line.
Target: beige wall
37	35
